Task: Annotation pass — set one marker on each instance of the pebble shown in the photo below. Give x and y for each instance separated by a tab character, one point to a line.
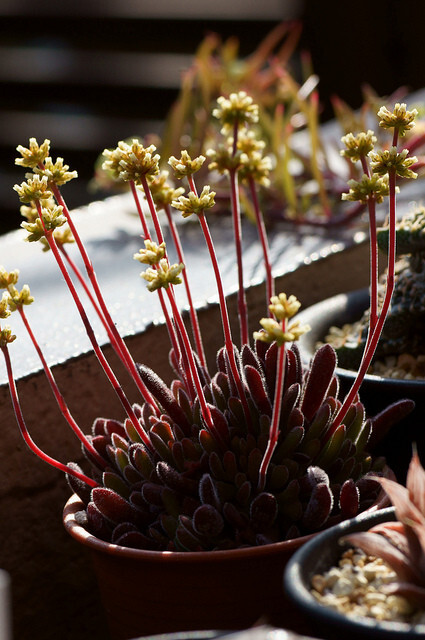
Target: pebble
353	588
402	367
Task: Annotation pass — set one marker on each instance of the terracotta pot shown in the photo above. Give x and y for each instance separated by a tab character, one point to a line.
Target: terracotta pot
150	592
376	392
322	553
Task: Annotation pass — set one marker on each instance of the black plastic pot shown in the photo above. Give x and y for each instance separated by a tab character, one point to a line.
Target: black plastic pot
376	392
319	555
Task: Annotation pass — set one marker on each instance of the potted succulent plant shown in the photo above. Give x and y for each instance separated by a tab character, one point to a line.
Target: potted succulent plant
221	474
343	322
365	577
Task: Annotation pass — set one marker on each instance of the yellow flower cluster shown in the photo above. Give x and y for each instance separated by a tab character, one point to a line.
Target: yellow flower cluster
151	254
358	146
35	188
34	155
238	108
163	275
185	166
195	204
361	190
391	159
129	162
52	217
163	194
273	329
399	118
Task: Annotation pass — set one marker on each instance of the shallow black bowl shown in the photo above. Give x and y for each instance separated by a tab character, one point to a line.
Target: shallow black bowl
321	553
376	392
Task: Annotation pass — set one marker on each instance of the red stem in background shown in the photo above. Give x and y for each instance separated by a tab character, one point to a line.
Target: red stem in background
374	275
376	334
270	289
371	203
225	319
25	434
223	310
237	230
58	396
142	216
192	311
193	368
114	336
90	333
120	347
152	210
147	235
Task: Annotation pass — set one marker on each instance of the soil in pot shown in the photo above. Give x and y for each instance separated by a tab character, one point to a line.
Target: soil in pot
353	588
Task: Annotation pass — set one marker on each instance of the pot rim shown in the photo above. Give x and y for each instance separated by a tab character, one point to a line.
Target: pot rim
79	533
300	594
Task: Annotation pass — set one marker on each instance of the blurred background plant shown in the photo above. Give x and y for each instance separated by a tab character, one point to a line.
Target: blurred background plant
308	175
98	75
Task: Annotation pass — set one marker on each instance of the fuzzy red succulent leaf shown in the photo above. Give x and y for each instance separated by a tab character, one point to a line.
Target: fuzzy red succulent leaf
164	396
152	493
79	487
319	378
263	511
256	382
115	482
207	521
234	517
185	536
175	480
318	508
96	523
387	418
113	507
220	423
208	491
289	402
349	499
141	460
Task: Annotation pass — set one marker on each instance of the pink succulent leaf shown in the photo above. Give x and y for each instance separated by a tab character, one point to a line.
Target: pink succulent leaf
419	539
377	545
415	483
407	512
411	592
395	533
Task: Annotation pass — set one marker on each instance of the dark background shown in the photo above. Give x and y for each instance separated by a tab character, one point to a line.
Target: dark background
77	72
